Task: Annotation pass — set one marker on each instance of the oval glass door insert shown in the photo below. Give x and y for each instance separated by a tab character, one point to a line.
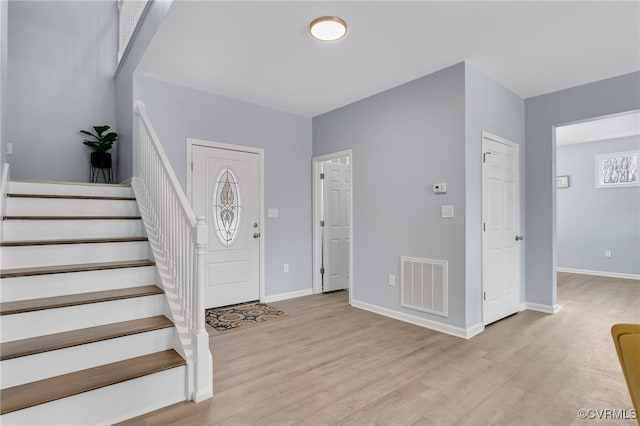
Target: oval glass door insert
227	206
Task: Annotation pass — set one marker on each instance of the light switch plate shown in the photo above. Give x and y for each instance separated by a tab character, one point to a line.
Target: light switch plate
447	211
273	213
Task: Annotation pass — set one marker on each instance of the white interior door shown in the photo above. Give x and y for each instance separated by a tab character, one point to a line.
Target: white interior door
335	233
501	229
226	191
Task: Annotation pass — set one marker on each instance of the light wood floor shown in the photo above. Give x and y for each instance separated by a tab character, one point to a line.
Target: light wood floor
328	363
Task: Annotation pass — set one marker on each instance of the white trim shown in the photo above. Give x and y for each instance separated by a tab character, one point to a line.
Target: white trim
547	309
4	188
290	295
317	239
240	148
599	273
467	333
60	182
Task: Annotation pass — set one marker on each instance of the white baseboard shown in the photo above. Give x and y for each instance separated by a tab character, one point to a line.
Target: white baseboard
422	322
547	309
285	296
599	273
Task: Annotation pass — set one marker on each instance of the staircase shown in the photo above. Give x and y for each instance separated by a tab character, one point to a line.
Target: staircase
85	331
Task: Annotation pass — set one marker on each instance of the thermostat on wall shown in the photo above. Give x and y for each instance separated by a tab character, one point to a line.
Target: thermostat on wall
439	188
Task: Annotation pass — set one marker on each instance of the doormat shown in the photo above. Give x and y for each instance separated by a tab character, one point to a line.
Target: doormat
236	316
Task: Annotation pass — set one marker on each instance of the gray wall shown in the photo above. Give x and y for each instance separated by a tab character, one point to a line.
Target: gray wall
542	113
62	56
404	140
492	108
4	12
178	113
147	27
592	220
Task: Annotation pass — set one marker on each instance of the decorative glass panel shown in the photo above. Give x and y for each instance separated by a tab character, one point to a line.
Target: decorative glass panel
227	206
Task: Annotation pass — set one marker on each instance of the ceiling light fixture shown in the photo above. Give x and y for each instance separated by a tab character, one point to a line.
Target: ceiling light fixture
328	28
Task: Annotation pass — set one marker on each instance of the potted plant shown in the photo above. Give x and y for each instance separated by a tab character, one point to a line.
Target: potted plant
101	143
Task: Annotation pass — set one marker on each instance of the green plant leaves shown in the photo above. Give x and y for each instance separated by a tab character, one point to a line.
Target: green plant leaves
102	142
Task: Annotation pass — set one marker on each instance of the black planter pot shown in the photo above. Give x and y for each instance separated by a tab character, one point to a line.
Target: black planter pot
101	165
101	160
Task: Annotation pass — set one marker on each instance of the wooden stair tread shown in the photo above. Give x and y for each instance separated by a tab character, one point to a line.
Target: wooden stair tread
47	390
21	306
76	241
52	342
72	217
81	267
72	197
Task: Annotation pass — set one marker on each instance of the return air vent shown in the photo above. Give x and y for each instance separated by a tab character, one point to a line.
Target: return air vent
425	285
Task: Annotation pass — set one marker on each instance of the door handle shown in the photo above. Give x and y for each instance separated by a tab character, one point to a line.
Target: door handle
256	235
519	237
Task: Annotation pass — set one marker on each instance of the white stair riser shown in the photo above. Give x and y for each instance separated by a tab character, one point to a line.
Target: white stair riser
69	189
25	230
40	366
107	405
48	321
69	254
18	206
51	285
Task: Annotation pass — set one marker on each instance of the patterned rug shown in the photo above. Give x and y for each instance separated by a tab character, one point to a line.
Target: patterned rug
235	316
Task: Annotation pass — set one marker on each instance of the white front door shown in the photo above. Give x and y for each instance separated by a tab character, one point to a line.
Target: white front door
501	229
335	233
226	191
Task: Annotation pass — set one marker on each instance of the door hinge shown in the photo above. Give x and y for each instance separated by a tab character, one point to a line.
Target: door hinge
322	223
321	175
321	271
484	226
484	156
484	295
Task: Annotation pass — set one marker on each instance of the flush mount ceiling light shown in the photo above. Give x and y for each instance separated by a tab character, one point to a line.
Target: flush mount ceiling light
328	28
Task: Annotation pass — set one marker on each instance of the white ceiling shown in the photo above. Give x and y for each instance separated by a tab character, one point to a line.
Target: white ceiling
261	52
617	126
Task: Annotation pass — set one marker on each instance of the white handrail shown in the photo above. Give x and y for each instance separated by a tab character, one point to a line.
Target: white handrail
4	187
178	240
129	14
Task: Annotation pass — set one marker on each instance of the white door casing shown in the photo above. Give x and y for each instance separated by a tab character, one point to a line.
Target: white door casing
501	228
225	189
336	233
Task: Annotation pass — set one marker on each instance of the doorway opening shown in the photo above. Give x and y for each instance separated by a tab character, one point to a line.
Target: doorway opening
332	222
597	197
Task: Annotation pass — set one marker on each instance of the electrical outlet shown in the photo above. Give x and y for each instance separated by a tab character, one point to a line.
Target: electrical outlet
392	280
446	211
607	253
286	267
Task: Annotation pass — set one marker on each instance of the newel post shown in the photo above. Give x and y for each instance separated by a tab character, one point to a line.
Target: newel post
203	371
